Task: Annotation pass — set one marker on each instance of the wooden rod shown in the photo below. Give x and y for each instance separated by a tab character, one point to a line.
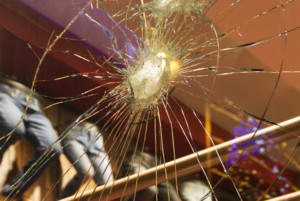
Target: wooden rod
184	166
291	197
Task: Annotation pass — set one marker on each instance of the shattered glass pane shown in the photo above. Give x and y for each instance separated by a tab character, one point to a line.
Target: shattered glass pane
195	100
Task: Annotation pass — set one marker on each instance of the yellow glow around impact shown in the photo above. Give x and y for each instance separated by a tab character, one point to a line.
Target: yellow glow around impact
174	65
174	68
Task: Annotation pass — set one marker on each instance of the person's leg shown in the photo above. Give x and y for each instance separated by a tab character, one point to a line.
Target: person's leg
40	133
75	152
100	160
11	126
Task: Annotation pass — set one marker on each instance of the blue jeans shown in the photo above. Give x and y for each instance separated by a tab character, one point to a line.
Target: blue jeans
84	148
34	127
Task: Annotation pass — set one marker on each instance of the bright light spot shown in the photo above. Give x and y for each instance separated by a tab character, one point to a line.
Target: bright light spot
259	141
161	55
275	169
174	68
284	144
262	150
282	190
254	172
